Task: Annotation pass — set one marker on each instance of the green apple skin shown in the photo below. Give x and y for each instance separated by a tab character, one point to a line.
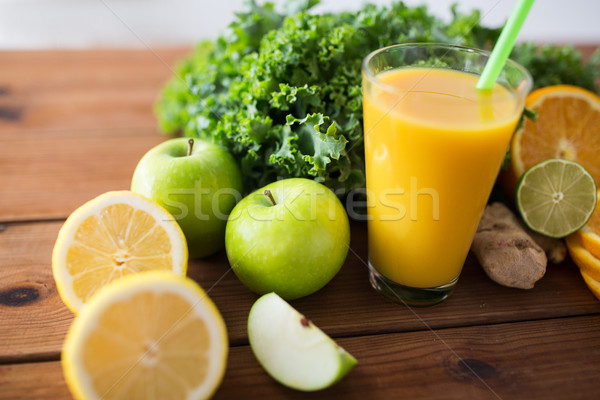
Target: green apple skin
199	190
293	350
294	247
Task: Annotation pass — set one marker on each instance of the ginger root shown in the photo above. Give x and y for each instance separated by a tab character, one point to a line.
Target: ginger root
507	253
555	249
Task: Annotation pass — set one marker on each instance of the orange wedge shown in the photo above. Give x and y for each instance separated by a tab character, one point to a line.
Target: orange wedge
567	126
582	258
589	235
591	283
589	266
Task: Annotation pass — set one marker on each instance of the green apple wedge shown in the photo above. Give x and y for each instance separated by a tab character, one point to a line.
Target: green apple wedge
198	182
293	350
291	237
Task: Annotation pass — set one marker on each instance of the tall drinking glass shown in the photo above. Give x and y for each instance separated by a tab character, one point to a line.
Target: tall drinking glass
433	148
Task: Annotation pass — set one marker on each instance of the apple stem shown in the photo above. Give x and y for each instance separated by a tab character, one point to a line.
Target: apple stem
267	193
190	147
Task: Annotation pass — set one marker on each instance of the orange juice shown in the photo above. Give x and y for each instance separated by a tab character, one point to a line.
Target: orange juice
433	148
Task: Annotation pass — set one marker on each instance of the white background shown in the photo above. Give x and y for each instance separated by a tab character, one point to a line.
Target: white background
38	24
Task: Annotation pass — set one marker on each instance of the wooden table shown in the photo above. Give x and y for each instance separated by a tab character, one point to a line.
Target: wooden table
74	124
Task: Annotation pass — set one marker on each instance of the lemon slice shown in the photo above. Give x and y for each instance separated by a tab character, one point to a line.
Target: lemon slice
147	336
115	234
556	197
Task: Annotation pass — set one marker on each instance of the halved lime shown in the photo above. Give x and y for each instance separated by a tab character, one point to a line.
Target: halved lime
556	197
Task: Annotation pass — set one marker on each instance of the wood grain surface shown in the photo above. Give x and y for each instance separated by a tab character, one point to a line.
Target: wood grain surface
27	290
63	118
73	124
527	360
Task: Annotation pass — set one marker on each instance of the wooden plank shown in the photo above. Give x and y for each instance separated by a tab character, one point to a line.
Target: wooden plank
557	359
40	381
587	51
82	89
552	359
35	321
73	124
33	318
48	175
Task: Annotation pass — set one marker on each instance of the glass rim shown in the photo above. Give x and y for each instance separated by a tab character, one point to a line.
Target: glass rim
525	86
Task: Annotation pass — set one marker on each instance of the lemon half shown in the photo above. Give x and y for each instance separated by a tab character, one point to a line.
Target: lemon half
115	234
148	336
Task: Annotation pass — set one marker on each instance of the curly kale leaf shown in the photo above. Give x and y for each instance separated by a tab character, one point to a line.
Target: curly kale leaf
554	65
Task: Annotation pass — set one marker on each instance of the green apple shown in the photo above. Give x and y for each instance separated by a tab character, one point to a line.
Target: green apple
198	182
293	350
290	237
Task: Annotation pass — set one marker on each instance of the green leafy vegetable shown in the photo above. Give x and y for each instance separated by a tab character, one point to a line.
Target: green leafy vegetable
554	65
282	90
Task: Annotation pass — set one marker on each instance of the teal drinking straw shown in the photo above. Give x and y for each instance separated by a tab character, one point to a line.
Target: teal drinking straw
504	46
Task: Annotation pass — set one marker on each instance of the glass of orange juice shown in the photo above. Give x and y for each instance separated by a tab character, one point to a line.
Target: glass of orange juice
434	145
